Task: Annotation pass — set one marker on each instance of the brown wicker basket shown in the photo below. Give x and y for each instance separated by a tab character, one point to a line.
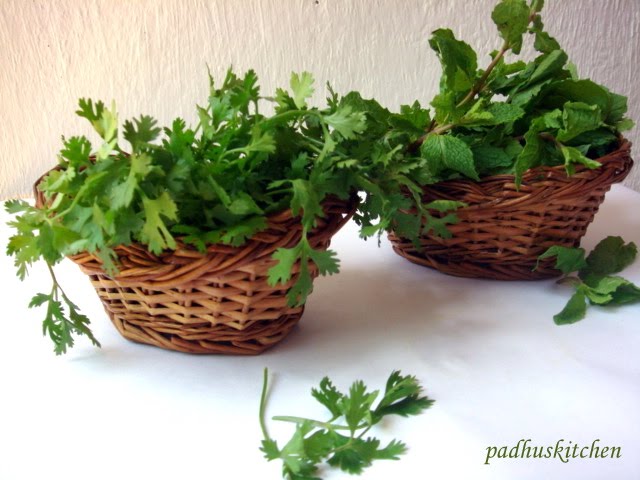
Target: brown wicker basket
503	230
218	302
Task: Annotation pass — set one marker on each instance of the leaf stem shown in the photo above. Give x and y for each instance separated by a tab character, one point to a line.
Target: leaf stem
263	403
477	87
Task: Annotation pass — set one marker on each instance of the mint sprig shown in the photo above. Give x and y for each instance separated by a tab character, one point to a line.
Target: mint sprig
341	441
594	280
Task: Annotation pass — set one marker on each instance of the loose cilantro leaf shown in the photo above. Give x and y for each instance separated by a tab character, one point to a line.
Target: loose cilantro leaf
342	445
594	281
302	87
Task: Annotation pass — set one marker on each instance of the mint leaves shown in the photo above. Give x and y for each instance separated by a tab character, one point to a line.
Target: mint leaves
595	282
553	117
342	444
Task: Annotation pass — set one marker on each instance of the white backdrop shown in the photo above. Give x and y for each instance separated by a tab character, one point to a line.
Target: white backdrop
151	56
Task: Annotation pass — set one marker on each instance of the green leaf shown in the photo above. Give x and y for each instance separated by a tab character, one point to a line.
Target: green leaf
286	258
532	152
122	193
402	397
505	112
574	310
611	255
347	122
448	152
328	395
141	131
573	156
326	261
459	61
512	19
237	235
356	405
488	158
628	293
548	66
302	87
155	233
578	118
568	259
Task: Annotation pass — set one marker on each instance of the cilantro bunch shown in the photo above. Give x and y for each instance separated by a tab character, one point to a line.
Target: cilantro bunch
342	444
215	183
510	117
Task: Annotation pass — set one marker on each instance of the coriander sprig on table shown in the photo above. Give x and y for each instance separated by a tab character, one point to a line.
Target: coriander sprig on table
342	444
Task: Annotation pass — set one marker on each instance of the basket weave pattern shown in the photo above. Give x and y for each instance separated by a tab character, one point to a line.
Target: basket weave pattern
503	230
213	302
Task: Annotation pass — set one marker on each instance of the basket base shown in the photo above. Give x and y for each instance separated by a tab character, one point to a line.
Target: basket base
220	339
518	269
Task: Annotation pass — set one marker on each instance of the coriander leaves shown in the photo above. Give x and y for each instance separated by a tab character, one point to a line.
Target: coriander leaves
342	444
595	282
218	182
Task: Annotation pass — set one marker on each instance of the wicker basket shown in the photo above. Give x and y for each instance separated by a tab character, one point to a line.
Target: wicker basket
218	302
503	230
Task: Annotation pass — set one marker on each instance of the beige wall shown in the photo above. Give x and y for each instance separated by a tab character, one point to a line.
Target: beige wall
151	55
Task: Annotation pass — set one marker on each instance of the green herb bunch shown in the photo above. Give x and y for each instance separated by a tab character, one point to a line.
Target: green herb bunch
342	443
510	116
215	183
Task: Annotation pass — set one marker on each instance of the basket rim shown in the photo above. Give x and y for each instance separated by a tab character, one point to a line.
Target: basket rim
624	147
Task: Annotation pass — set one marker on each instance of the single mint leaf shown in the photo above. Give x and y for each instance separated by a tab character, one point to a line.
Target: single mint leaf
574	310
573	156
628	293
611	255
302	87
601	293
512	19
532	152
505	112
548	66
578	118
617	108
568	259
459	61
448	152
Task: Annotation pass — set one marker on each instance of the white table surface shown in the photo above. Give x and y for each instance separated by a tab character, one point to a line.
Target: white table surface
488	352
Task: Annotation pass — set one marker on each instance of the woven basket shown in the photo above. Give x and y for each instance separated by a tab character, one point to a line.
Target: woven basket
503	230
218	302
